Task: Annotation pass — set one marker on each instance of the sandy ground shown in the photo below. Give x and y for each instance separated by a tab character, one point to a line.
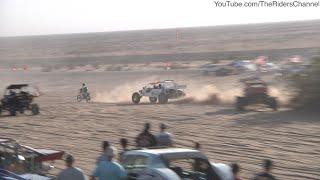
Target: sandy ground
291	139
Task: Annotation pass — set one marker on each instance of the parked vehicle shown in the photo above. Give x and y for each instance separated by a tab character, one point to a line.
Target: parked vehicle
173	164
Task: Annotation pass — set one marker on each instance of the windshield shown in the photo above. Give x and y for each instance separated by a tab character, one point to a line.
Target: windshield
190	168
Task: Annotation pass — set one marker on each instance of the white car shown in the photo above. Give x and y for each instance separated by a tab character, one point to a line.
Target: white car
173	164
160	91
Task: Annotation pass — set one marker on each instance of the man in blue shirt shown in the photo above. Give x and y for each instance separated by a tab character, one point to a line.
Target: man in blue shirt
108	169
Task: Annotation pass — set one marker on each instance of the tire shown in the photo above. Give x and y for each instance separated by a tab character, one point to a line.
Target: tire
0	110
272	103
35	109
163	99
136	98
153	100
79	98
88	98
240	104
12	111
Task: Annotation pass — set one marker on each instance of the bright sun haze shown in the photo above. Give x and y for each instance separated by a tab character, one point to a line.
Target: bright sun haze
37	17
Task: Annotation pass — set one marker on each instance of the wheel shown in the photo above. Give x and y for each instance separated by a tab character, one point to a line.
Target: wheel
79	98
12	111
153	99
272	102
163	98
88	98
35	109
136	98
240	104
0	110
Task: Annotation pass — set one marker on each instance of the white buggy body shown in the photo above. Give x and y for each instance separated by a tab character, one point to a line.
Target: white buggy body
160	91
172	164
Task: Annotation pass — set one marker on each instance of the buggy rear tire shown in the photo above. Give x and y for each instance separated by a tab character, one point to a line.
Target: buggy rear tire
163	99
241	103
0	110
136	98
35	109
153	100
12	111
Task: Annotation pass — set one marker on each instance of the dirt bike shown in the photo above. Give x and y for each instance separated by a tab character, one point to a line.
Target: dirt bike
83	96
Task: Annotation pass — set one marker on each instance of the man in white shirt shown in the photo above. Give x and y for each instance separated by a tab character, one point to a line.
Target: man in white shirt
71	173
164	138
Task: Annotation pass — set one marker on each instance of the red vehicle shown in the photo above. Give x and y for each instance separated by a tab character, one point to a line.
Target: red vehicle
256	92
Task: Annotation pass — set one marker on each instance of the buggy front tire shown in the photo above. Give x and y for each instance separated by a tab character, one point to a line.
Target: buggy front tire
273	103
153	100
136	98
35	109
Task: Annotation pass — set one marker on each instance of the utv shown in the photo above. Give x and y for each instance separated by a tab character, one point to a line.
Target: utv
19	98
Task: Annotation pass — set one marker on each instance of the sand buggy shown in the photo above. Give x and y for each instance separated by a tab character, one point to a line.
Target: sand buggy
255	92
19	98
83	96
160	91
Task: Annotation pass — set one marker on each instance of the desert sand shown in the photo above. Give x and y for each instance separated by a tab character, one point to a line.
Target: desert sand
289	138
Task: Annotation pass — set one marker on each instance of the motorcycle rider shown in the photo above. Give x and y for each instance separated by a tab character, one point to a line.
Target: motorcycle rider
84	90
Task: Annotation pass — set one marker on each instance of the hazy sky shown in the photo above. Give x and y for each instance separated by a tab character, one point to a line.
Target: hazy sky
34	17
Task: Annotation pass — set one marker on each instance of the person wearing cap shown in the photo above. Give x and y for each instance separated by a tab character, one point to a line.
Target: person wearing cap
145	139
266	174
164	138
71	172
108	169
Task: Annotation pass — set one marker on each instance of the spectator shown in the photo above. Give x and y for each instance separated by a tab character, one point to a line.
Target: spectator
105	147
235	171
108	169
197	146
124	144
70	173
164	138
146	139
266	174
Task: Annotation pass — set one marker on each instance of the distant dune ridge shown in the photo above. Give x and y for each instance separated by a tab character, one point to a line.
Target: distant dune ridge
276	40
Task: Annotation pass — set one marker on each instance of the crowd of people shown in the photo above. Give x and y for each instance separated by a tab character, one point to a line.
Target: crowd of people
108	169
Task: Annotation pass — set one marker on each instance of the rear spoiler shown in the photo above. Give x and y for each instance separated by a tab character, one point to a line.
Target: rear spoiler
46	154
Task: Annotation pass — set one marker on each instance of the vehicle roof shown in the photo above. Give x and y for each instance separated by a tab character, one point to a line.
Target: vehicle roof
5	140
17	86
170	153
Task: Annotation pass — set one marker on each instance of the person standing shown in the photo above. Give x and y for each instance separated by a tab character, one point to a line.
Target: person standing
266	174
105	147
145	139
124	145
70	173
108	169
164	138
235	171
